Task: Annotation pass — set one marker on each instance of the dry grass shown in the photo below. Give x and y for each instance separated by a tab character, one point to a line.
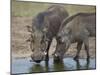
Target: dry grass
33	8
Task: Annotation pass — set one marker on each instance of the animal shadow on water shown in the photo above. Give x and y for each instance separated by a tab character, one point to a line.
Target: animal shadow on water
79	67
36	68
56	66
59	66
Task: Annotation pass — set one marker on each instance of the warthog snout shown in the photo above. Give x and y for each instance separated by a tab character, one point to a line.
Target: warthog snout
38	56
60	51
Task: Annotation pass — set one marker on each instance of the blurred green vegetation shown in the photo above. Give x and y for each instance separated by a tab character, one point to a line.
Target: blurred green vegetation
23	9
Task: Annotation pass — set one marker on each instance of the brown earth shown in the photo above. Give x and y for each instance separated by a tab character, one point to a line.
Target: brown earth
20	48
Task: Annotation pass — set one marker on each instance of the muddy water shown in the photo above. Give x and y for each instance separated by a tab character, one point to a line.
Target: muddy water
23	65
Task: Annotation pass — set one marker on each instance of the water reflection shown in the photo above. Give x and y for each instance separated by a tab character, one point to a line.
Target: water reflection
47	66
79	67
40	68
58	66
24	66
36	68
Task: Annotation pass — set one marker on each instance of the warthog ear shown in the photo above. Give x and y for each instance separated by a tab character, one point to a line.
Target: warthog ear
29	28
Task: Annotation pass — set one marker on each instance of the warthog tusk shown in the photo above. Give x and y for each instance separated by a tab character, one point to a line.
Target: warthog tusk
45	52
56	55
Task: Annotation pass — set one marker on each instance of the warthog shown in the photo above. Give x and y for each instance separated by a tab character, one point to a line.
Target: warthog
76	28
45	26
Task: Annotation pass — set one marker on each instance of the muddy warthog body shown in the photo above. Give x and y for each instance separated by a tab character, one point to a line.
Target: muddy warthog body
77	28
45	26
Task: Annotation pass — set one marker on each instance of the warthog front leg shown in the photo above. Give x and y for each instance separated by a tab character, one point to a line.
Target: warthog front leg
79	46
47	55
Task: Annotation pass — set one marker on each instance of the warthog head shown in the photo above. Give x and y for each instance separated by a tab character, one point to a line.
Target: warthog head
38	45
63	42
